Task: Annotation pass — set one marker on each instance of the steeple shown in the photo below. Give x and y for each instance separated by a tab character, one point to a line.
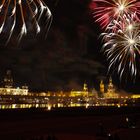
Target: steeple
110	80
110	86
8	80
111	93
85	88
102	87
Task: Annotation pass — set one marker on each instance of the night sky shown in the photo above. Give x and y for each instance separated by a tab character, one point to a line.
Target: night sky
68	57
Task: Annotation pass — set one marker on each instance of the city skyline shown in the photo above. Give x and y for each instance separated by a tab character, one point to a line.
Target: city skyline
69	69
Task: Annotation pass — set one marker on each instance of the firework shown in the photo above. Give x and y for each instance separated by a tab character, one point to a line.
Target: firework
22	16
108	10
123	47
126	23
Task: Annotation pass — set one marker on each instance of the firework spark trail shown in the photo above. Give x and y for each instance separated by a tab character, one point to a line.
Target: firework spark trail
108	10
23	15
120	20
126	23
123	47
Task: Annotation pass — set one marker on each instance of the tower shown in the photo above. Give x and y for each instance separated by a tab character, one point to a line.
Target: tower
110	86
85	88
111	93
8	80
102	87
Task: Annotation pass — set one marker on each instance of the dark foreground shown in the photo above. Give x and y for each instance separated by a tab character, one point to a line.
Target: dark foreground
98	123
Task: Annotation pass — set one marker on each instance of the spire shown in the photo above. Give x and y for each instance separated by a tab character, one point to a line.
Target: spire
102	86
8	80
111	93
110	80
85	88
110	86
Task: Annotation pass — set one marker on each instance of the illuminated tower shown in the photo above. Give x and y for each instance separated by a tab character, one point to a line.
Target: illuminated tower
85	88
102	87
111	88
8	80
111	93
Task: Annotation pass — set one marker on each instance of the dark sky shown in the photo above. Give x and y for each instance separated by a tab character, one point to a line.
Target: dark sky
67	58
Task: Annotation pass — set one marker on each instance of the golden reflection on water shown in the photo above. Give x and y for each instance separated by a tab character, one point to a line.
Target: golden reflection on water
50	106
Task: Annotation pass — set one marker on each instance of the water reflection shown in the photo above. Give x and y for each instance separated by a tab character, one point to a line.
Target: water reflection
49	106
16	106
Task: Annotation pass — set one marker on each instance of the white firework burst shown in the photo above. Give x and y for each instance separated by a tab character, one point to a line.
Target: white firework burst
123	47
23	16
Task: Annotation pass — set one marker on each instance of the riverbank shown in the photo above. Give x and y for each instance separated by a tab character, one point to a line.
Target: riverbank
70	123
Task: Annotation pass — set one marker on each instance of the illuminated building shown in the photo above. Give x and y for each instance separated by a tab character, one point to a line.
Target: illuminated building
111	93
111	88
8	80
85	88
82	93
8	88
93	93
102	87
84	97
135	96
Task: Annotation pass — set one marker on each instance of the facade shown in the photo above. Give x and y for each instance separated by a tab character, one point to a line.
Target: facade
111	91
10	94
102	87
13	91
107	96
8	88
82	93
135	96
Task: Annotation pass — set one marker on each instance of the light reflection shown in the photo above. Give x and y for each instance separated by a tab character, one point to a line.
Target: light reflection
13	106
49	106
87	105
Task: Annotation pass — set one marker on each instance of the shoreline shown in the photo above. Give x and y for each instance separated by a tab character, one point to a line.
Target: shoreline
69	123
